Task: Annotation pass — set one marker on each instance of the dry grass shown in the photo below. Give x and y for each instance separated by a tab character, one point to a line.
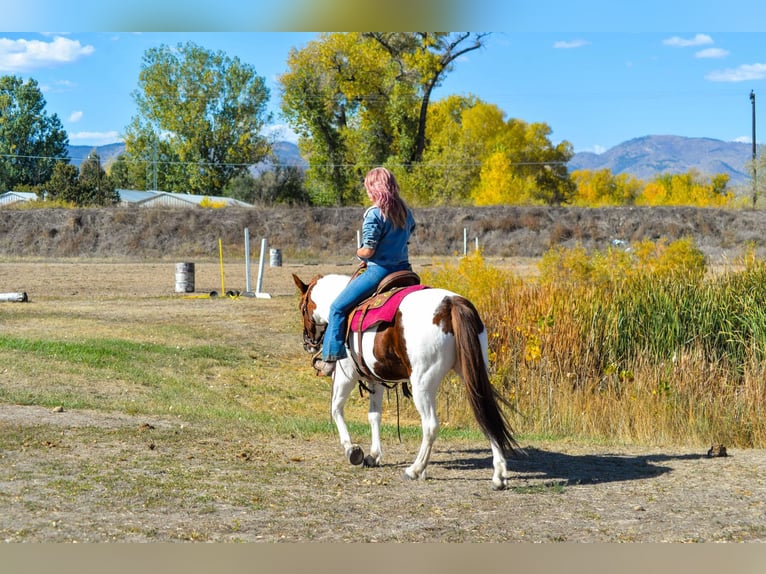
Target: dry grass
194	419
329	234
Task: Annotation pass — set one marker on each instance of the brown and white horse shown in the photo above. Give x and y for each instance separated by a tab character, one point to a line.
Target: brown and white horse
433	332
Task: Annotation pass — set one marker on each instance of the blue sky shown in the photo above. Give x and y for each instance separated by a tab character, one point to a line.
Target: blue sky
598	75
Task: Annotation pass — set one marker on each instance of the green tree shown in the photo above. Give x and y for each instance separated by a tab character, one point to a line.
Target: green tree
281	185
31	141
63	184
424	58
359	100
200	118
95	186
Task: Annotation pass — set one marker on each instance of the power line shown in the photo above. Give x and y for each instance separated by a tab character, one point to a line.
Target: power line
292	164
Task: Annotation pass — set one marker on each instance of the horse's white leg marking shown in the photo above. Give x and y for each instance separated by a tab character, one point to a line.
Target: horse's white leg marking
374	417
501	474
424	397
341	389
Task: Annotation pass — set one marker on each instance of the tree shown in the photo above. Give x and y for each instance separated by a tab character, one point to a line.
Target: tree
689	188
600	188
202	112
63	183
359	100
281	185
460	133
31	141
95	186
425	58
474	153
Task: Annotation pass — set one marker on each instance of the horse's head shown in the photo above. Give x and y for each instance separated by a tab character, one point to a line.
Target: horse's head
312	333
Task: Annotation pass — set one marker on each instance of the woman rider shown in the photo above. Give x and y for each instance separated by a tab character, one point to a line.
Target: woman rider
386	231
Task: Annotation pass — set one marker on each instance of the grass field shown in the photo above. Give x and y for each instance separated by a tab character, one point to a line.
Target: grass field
129	412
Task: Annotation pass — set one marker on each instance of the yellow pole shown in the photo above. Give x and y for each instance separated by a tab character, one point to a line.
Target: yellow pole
220	256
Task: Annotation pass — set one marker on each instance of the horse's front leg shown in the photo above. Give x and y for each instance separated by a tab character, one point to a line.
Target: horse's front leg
341	389
374	416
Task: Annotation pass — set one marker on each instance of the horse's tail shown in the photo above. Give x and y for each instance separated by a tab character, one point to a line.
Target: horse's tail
471	365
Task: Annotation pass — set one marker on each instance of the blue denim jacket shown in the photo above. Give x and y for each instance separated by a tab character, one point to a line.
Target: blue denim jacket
388	242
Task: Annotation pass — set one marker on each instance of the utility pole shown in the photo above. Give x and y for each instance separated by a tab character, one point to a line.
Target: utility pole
755	169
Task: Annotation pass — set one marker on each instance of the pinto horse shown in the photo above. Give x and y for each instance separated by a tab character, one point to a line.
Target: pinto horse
433	332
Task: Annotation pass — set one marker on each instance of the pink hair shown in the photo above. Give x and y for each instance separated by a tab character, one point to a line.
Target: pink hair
383	190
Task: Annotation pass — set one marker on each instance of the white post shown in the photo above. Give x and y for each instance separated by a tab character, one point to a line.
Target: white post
477	243
465	242
259	285
247	260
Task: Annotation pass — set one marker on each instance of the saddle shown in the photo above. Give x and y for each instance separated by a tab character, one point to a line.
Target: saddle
380	307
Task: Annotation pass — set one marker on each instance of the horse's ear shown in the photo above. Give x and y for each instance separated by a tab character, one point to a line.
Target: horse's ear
302	287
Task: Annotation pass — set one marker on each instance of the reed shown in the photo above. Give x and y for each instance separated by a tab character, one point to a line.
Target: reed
640	346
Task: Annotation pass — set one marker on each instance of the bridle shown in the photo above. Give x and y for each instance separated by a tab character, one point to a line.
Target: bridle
312	334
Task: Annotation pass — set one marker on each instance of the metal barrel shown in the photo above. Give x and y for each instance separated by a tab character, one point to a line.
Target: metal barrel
275	258
184	277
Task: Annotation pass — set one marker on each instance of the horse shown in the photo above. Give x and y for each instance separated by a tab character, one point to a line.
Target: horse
434	331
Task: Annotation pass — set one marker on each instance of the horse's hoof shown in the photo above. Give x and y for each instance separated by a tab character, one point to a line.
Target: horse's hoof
406	476
355	455
370	462
502	486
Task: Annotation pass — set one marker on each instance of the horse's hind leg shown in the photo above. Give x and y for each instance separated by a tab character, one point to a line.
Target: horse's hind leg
501	474
341	389
374	417
425	402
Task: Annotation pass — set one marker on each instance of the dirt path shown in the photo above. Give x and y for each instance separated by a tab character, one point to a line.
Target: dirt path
92	476
297	490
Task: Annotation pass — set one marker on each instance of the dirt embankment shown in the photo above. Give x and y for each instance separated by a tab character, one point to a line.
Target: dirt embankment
310	233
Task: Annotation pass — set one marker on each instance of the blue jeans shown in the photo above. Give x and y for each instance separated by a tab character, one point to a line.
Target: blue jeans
364	285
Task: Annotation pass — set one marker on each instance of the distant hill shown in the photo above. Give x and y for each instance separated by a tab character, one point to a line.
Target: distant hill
648	156
286	152
642	157
79	153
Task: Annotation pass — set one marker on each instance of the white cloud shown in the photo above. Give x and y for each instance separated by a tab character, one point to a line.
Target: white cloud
95	138
743	139
742	73
712	53
698	40
23	55
75	116
570	44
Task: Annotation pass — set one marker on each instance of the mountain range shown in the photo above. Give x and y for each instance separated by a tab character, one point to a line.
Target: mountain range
643	157
648	156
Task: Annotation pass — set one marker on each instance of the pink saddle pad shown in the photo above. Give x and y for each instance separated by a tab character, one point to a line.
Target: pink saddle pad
384	313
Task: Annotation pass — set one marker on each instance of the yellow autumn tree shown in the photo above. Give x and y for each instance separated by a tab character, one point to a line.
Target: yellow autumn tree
600	188
501	185
688	188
